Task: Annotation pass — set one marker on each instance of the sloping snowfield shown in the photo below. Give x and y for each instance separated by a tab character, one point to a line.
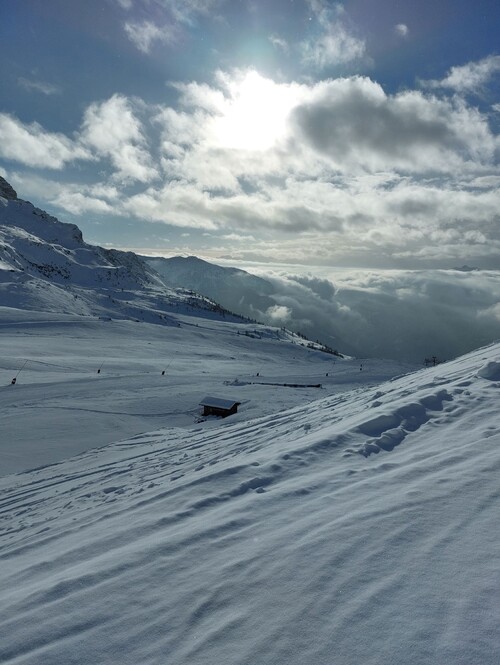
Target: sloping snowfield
82	382
362	527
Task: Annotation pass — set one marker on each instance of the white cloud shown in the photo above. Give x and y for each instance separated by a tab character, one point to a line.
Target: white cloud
71	197
471	77
30	144
401	30
77	203
183	11
176	204
332	172
357	125
238	237
144	34
279	314
38	86
335	44
279	43
336	171
492	311
112	130
175	15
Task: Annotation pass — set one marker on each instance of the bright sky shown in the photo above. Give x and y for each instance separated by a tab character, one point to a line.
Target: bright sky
302	131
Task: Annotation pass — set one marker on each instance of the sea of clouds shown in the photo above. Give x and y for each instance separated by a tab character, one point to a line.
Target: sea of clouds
401	314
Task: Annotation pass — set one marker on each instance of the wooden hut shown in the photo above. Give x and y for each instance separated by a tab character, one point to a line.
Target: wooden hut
216	406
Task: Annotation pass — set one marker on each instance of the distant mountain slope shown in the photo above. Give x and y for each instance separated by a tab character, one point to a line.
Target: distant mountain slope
237	290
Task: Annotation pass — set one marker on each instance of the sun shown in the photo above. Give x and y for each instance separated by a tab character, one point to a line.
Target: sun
254	114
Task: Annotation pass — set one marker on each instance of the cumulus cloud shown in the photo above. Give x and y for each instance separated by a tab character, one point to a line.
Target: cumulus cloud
471	77
74	198
347	125
30	144
109	129
176	204
335	43
355	123
279	314
112	129
493	311
336	172
77	203
361	175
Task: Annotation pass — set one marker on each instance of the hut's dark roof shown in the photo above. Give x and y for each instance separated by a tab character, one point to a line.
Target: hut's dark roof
219	403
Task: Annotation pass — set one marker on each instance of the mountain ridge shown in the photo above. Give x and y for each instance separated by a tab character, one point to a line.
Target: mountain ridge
40	255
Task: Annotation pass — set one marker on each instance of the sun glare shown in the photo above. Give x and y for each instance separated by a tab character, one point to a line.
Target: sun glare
254	115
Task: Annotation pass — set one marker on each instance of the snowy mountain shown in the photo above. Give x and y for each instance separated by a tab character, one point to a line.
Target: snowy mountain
39	245
45	264
235	289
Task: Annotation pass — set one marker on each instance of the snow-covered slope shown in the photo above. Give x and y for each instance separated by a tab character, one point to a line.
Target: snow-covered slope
46	265
237	290
360	528
82	381
198	274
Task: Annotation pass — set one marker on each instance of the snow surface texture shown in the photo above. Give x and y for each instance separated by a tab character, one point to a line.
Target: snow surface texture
359	528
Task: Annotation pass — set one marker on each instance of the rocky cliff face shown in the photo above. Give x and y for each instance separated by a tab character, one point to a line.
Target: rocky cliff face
6	190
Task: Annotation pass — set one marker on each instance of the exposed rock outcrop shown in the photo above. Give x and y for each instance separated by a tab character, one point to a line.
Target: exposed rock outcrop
6	190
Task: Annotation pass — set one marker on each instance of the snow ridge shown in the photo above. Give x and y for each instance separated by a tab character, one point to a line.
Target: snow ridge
46	263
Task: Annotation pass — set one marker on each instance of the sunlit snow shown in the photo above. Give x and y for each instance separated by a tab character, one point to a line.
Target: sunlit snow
352	523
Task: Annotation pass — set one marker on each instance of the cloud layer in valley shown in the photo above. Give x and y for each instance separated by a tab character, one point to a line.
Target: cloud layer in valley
407	315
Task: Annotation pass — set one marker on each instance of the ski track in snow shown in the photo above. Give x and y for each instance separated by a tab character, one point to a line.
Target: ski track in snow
361	527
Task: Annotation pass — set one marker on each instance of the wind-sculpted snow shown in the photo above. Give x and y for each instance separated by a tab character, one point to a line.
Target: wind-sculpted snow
279	539
491	370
